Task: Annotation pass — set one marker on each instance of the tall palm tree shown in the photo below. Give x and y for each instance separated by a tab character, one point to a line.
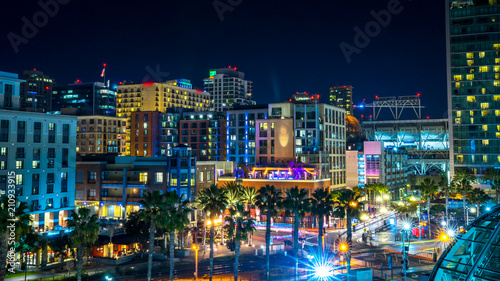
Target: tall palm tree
175	217
321	206
240	226
268	200
213	202
478	196
152	202
296	203
249	196
370	190
346	203
59	246
463	179
446	187
85	232
429	188
493	176
20	225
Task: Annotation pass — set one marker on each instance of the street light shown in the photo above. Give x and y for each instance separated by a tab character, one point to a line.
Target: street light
405	231
196	248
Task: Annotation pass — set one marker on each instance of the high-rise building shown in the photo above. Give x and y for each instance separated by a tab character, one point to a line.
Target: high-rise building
228	88
240	132
318	128
101	135
341	96
144	134
36	92
93	98
473	62
37	153
9	90
205	133
159	97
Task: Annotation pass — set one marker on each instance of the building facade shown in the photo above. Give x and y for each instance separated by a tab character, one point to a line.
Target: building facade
10	85
274	141
317	128
341	96
92	98
205	133
101	135
228	88
473	61
144	134
159	97
39	151
241	133
36	92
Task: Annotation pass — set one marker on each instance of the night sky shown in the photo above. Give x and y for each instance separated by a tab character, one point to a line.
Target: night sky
282	46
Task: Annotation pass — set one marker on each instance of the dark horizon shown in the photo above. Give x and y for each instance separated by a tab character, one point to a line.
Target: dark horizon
282	46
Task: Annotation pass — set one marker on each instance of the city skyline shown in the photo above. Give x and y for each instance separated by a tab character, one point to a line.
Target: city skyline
312	59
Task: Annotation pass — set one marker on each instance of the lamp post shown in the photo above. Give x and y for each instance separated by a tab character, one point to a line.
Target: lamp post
344	249
196	248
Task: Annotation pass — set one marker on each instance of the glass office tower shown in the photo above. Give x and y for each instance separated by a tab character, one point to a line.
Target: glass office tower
473	60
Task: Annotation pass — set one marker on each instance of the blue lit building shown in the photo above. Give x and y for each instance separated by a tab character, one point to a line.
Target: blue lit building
93	98
240	132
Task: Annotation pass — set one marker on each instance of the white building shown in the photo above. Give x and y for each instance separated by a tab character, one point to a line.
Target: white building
228	88
40	149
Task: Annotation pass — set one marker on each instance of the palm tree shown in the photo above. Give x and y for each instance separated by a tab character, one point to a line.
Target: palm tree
213	202
240	226
463	178
268	200
478	196
175	217
153	203
138	228
493	176
321	206
296	204
446	188
429	188
234	192
370	191
249	196
21	225
85	232
346	203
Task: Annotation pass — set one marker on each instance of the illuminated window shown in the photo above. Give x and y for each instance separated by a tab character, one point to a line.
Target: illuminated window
498	136
497	112
497	75
496	46
472	120
498	158
485	112
143	177
496	97
473	158
457	77
496	83
457	120
471	113
497	60
460	158
483	69
485	127
485	142
498	127
470	55
482	54
496	68
470	77
470	62
485	105
471	98
459	113
485	158
457	85
483	91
